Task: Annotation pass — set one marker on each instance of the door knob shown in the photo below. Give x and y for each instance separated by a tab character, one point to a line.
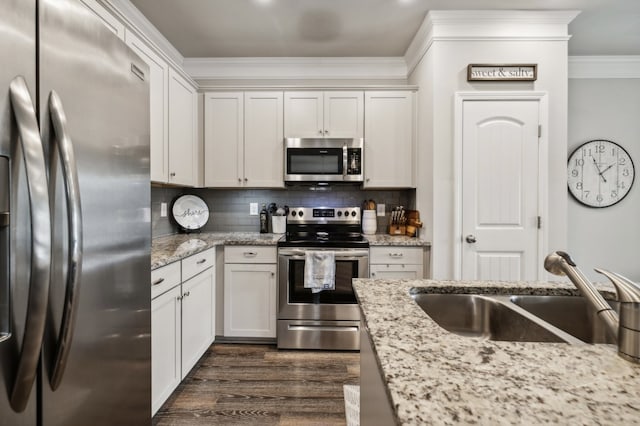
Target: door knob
470	239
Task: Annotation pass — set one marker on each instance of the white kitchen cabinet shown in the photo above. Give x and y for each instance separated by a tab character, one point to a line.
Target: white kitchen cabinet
243	140
166	329
182	320
389	149
396	262
159	112
183	138
331	114
198	317
111	22
250	292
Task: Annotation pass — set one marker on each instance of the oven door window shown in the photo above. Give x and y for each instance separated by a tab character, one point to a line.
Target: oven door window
314	161
345	271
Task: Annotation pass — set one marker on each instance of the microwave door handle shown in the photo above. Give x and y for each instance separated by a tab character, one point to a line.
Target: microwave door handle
345	161
36	182
69	168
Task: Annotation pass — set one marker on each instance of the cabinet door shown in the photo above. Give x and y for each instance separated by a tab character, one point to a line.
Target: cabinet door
158	92
395	272
343	114
263	140
249	300
389	146
165	346
303	115
198	306
182	131
223	139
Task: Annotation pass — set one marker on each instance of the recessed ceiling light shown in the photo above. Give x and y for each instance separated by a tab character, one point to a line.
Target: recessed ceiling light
263	2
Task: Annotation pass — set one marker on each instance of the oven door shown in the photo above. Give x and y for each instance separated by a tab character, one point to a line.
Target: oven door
297	302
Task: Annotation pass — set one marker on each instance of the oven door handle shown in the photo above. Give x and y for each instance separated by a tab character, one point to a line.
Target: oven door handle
339	255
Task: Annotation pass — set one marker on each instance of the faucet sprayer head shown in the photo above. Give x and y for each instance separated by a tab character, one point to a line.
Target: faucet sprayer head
556	261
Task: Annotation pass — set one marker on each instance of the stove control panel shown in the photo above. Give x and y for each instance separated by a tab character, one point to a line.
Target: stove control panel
301	215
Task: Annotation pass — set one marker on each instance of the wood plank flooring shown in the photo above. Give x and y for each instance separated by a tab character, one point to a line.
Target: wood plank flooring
237	384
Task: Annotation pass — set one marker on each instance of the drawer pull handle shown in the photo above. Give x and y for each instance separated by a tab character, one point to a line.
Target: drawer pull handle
396	254
200	262
250	253
158	281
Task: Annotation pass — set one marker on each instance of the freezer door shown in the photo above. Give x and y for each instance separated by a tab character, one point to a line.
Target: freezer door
18	56
94	98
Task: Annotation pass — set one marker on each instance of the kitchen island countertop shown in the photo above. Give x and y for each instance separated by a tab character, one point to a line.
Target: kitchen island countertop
436	377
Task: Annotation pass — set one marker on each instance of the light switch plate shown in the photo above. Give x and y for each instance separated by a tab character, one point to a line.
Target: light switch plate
380	208
253	209
163	209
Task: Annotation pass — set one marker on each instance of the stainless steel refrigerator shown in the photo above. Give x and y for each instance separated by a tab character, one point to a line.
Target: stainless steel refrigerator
75	233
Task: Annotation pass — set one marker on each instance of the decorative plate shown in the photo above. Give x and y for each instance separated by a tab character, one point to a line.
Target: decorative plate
190	212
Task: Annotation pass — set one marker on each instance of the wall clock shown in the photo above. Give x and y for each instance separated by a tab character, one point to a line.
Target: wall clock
600	173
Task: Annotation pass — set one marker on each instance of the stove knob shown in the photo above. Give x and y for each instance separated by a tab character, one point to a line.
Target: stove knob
300	213
339	213
346	213
293	213
353	213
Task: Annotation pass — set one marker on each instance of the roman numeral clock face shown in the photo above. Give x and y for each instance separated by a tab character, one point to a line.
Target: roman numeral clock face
600	173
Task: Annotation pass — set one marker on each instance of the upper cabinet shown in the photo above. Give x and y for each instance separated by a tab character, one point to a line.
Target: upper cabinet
159	112
243	139
331	114
389	147
183	129
173	119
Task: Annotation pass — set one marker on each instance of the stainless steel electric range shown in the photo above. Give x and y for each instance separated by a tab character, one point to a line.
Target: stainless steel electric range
329	319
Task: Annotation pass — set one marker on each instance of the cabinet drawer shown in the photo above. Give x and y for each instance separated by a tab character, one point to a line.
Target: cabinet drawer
197	263
397	272
164	278
249	254
394	255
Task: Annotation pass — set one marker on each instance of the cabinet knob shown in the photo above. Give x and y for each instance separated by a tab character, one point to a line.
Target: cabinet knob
373	274
245	179
172	174
239	180
326	132
273	274
368	179
320	131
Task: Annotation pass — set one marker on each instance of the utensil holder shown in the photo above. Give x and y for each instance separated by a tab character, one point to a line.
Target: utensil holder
369	222
278	224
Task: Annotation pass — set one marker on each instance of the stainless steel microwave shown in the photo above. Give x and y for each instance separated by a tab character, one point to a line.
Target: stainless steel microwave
323	160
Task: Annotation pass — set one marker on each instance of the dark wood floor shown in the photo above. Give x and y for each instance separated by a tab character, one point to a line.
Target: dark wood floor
237	384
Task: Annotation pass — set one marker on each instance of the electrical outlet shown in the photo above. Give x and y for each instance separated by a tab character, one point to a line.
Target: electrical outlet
253	209
380	208
163	209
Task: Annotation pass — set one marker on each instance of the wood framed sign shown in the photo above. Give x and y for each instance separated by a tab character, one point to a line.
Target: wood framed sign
502	72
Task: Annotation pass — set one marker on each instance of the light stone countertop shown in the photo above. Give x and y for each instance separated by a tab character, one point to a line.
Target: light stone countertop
436	377
171	248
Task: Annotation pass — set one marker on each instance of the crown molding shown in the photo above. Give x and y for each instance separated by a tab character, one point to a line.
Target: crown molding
127	12
487	25
604	66
308	68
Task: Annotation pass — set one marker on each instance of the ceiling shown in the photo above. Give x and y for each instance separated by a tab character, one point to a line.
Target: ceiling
361	28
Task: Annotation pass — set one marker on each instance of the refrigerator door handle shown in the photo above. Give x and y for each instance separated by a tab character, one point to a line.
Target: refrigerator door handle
64	145
34	165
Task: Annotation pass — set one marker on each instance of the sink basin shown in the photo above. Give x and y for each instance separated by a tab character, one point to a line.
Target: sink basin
568	313
482	316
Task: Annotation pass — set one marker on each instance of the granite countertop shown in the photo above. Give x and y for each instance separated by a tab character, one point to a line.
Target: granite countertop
436	377
171	248
395	240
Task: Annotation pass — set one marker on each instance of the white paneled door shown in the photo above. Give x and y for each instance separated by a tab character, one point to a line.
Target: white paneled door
500	190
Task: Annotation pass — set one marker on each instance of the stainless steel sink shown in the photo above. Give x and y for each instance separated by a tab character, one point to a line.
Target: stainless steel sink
569	313
494	318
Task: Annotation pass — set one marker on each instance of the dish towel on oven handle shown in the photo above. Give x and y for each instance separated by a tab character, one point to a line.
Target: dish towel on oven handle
319	270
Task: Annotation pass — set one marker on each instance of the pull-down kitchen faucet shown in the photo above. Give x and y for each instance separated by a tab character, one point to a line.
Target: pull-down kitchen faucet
626	327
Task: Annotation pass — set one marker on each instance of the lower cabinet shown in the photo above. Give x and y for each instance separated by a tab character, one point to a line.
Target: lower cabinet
182	321
396	262
250	292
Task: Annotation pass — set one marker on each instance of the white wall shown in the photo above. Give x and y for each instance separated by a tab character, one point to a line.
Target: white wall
609	237
441	73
